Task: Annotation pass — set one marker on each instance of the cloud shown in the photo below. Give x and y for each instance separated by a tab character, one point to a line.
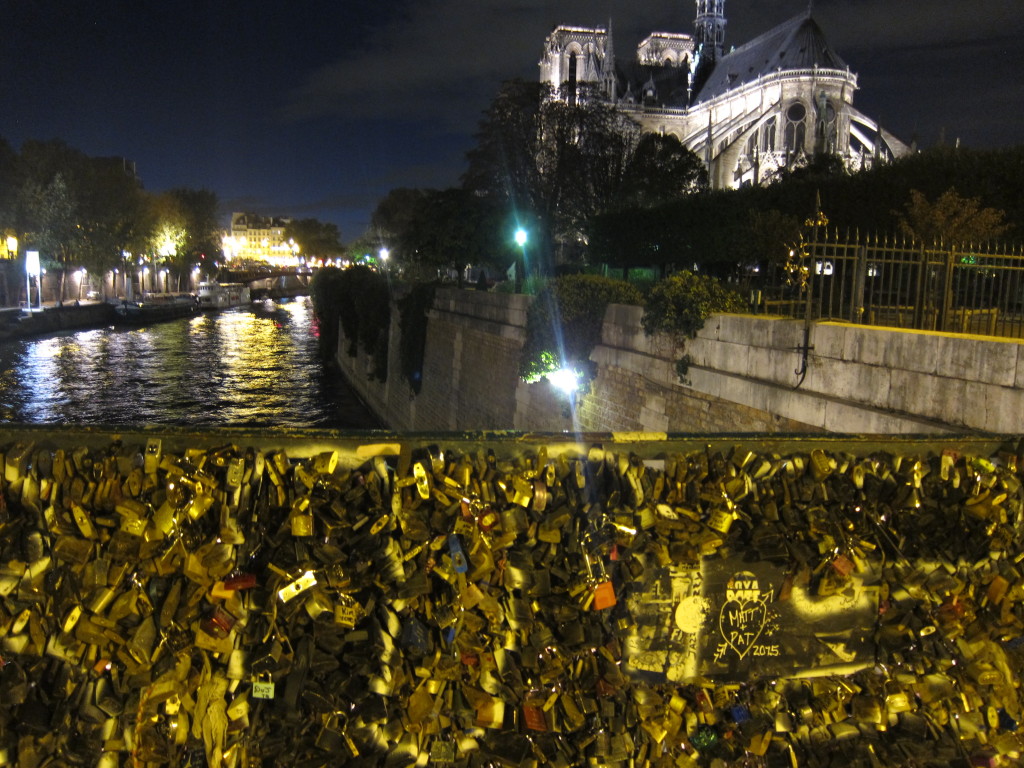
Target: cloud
443	59
872	24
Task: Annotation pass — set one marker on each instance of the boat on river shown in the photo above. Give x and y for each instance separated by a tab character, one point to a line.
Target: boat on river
216	296
155	308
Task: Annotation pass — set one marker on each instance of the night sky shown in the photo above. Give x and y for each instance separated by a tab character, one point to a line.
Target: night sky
316	108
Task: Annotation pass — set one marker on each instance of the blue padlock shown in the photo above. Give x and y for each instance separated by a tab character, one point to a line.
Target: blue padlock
459	561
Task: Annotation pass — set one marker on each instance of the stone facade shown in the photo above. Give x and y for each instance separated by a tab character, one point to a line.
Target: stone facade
766	105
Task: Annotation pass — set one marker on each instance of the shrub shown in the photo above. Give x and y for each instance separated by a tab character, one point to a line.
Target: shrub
359	298
681	303
412	321
563	323
326	290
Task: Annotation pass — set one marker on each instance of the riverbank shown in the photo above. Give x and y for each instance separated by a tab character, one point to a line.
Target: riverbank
15	323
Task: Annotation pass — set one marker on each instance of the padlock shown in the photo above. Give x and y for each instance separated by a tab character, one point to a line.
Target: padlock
263	687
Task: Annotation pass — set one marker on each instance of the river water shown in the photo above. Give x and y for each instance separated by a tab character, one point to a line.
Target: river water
254	367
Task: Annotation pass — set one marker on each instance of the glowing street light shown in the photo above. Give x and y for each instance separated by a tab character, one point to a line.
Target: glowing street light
32	270
521	238
565	379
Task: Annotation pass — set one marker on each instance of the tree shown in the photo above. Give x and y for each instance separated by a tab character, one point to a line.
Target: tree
55	230
315	238
188	234
51	175
395	221
503	164
114	215
554	163
430	229
562	165
583	157
771	234
9	184
661	168
950	219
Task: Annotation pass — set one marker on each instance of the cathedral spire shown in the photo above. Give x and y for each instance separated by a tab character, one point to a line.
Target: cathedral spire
709	29
610	82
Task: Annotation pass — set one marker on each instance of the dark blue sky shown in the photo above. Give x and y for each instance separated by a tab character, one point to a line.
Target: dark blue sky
316	108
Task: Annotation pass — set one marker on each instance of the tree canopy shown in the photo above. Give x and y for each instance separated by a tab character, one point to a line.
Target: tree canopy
950	219
315	238
561	165
716	229
82	211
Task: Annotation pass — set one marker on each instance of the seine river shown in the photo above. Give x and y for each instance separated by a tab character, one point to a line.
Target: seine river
239	368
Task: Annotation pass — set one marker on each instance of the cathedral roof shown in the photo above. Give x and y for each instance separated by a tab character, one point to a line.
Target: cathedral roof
795	44
635	80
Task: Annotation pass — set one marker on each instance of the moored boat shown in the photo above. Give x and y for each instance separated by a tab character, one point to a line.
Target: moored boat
155	307
215	295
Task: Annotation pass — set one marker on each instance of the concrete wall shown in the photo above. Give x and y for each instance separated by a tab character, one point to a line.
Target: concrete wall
863	378
743	377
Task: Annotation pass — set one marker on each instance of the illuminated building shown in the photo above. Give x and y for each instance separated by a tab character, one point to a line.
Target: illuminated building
260	238
772	103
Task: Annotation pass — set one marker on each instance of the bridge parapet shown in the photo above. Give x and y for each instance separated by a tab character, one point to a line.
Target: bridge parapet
277	590
846	378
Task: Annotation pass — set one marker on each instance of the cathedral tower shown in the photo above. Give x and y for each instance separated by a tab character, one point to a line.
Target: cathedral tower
709	30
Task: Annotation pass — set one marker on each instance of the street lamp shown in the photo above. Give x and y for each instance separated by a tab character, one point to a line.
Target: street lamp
521	238
32	270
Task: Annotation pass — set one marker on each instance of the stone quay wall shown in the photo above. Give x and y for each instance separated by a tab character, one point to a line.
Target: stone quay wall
747	374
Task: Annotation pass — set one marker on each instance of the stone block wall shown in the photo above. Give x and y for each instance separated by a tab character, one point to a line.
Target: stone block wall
748	374
637	387
471	361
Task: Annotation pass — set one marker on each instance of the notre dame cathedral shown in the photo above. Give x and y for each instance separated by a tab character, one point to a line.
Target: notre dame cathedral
769	104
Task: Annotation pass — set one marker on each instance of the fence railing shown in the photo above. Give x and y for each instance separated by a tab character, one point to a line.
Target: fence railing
893	282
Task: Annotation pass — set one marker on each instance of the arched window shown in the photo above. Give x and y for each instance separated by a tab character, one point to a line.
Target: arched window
796	127
768	136
826	125
573	65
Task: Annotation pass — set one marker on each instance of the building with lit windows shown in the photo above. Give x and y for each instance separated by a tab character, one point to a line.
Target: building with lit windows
259	238
769	104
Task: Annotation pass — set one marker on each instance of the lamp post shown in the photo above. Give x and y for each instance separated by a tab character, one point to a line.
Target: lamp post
521	238
32	270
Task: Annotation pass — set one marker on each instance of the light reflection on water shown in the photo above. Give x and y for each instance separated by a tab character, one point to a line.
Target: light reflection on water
238	368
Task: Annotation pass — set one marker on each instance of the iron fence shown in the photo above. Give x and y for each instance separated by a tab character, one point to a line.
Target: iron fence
892	282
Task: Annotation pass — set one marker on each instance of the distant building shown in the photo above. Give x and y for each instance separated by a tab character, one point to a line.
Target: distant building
259	238
772	103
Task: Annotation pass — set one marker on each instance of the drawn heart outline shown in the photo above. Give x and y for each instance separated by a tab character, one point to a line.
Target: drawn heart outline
741	623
